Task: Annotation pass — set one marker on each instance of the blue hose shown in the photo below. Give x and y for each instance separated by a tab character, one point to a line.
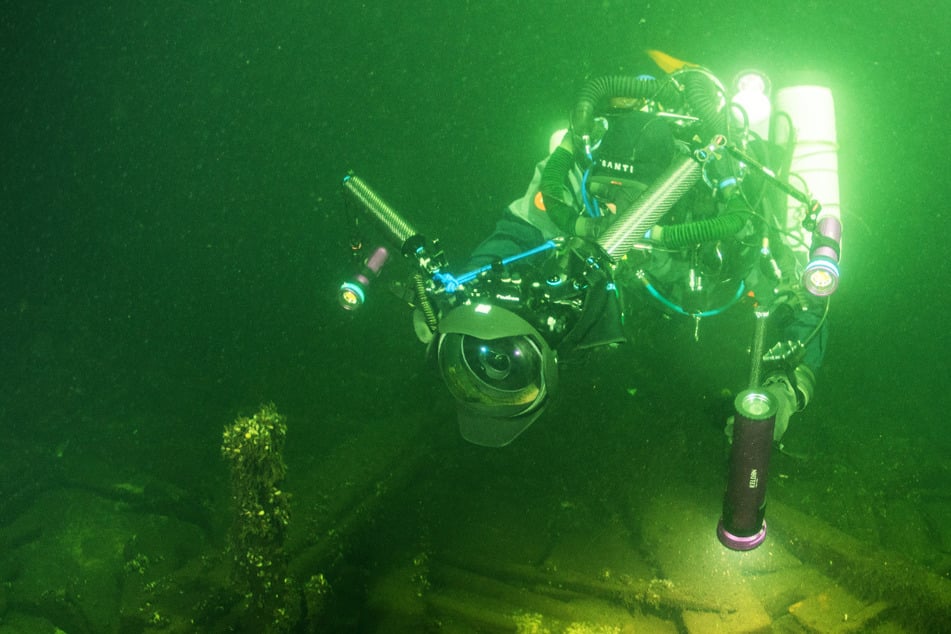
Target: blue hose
678	309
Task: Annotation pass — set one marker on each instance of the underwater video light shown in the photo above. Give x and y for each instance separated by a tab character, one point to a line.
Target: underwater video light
352	294
821	275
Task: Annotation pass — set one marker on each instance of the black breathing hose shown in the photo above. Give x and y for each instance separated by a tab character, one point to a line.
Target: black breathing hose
596	90
717	228
702	94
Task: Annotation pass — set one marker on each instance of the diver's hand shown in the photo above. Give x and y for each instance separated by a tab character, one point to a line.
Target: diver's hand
591	228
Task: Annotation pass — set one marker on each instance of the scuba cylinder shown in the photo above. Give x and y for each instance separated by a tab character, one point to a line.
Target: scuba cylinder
815	160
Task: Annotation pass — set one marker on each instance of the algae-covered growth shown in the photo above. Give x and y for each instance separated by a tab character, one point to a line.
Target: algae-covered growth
253	447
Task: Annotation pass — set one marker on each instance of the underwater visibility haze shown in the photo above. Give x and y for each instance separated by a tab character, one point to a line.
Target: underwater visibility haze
197	438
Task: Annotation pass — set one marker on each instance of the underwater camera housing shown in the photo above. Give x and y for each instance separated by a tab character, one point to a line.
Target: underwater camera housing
497	350
499	369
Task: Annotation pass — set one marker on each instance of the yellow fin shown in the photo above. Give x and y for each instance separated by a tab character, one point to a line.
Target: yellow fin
669	63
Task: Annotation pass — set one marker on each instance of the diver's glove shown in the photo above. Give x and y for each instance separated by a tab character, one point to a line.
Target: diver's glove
780	388
591	228
792	392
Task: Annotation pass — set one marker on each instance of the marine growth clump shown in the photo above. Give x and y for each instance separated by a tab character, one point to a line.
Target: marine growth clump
253	448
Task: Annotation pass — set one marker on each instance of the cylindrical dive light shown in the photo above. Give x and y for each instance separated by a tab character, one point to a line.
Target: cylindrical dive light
352	293
743	524
821	275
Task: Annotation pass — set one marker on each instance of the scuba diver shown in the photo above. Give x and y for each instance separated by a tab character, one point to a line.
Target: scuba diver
708	250
669	187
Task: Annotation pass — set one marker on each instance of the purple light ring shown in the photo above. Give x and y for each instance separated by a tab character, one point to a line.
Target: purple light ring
735	542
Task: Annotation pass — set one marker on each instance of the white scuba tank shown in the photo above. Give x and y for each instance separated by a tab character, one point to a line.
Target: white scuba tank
815	161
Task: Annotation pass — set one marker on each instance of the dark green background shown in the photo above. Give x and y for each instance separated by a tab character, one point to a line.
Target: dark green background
172	231
171	221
